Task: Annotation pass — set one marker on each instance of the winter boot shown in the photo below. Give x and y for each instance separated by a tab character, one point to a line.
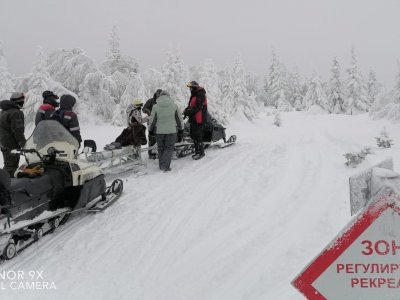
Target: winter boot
200	154
196	150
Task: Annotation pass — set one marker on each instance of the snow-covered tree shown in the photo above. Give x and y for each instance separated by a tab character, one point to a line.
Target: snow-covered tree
283	104
315	98
356	91
294	95
135	89
388	104
277	81
225	76
38	82
373	88
175	78
115	61
208	78
238	95
396	90
335	90
70	67
152	79
6	82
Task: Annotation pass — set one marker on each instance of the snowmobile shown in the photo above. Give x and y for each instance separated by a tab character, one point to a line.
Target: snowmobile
36	203
212	133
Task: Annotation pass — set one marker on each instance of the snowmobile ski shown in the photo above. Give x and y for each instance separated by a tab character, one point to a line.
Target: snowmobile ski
112	194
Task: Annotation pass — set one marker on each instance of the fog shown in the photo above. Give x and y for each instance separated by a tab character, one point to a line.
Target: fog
306	33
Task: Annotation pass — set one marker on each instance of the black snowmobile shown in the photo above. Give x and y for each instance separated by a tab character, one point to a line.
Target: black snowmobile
49	187
213	132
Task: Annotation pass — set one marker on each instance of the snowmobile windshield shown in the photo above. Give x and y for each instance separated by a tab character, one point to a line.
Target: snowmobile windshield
51	133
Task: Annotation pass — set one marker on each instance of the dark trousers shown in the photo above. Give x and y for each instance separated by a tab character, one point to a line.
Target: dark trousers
196	133
165	145
152	142
11	162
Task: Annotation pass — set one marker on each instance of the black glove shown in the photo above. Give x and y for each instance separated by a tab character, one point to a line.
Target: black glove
187	112
180	135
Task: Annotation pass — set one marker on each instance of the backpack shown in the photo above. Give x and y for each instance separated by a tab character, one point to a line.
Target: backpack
58	116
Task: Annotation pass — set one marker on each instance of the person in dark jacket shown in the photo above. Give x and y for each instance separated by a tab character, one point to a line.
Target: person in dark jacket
68	117
197	113
12	127
147	108
48	107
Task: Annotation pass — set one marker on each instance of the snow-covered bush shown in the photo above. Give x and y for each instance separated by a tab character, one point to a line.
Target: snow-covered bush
384	141
356	158
277	119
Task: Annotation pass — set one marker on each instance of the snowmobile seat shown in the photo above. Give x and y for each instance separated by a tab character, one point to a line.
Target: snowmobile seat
29	197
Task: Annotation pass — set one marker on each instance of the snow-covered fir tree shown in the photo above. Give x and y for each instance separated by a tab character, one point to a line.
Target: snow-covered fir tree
134	90
208	78
38	82
115	61
152	79
277	81
388	105
283	104
238	95
373	88
225	75
294	95
356	91
6	82
396	90
315	98
175	77
70	67
335	90
96	94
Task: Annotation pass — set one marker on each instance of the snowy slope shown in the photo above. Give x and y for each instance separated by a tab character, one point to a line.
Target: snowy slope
239	224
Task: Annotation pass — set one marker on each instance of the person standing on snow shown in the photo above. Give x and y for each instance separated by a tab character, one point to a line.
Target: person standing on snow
12	127
197	113
67	117
48	107
165	122
147	108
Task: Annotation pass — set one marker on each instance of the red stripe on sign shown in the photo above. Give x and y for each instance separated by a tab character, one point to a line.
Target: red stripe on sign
304	281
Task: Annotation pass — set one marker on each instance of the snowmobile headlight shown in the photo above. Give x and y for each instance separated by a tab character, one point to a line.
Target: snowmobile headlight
75	167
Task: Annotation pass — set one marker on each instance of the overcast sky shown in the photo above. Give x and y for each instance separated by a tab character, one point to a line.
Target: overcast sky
308	33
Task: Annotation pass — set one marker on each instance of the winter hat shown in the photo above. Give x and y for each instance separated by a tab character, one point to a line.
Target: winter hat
137	102
51	98
157	93
18	98
48	94
192	84
67	102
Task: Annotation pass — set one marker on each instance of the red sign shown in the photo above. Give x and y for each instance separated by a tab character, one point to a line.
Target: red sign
361	263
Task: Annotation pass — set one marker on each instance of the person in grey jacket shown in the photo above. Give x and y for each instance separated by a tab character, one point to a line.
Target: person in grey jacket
165	122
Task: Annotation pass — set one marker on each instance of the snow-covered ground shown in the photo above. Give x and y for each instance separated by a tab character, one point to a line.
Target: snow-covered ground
239	224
